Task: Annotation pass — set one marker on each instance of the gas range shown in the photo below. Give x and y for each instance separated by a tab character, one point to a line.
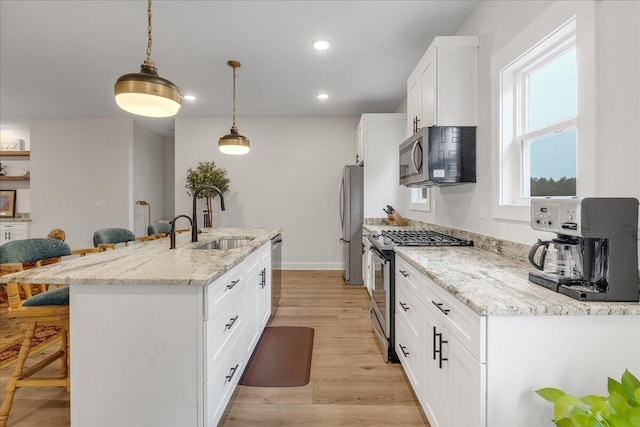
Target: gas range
390	238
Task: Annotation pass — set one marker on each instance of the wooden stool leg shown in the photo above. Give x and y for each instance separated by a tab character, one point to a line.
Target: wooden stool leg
17	373
64	346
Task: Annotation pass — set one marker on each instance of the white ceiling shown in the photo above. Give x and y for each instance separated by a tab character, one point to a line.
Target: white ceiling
60	59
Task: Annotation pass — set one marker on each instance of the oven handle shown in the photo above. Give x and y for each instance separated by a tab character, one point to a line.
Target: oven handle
376	253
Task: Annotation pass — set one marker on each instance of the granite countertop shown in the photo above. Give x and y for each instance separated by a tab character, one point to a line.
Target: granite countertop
152	262
495	284
491	284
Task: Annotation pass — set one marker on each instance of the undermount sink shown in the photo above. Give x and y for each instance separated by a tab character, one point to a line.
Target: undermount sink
226	244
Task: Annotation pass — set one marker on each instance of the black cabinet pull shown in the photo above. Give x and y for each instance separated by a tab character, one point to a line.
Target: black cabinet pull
232	372
233	283
442	359
403	305
231	322
263	278
439	307
402	348
404	273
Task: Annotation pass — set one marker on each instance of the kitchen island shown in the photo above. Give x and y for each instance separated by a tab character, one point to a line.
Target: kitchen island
476	338
160	337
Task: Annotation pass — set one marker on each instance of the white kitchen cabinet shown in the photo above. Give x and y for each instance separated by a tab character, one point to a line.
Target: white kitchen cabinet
165	355
379	136
442	89
10	231
367	263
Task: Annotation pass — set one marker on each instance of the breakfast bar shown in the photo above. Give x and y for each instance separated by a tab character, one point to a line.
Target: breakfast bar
159	336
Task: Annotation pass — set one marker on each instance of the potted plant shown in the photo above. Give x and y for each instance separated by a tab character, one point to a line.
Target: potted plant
207	174
620	409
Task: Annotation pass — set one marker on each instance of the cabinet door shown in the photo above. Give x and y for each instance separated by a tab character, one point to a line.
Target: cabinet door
436	390
264	293
428	89
250	310
413	103
13	231
468	391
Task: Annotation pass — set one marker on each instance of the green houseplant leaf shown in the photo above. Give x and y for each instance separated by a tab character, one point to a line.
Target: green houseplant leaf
619	409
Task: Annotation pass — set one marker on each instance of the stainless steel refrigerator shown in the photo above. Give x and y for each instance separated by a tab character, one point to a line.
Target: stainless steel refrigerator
351	217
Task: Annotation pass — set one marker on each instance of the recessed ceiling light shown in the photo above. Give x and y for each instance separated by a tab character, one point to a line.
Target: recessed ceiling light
321	44
189	98
322	96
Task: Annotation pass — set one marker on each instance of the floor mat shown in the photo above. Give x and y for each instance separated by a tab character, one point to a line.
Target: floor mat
282	358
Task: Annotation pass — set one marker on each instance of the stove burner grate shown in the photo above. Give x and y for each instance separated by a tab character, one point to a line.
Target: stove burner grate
424	238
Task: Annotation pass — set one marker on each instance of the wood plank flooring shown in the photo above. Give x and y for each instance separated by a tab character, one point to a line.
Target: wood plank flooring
350	384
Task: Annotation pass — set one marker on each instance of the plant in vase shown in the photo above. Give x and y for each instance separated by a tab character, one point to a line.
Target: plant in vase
207	174
620	409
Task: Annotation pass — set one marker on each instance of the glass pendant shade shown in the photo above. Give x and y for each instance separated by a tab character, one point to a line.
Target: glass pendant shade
234	143
147	94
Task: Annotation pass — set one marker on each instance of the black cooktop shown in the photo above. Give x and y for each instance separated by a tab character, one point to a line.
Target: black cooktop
423	238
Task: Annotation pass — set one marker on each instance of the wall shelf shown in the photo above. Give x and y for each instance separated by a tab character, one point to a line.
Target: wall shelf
15	178
15	153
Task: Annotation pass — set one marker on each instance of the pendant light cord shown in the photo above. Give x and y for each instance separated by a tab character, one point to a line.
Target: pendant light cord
149	30
234	97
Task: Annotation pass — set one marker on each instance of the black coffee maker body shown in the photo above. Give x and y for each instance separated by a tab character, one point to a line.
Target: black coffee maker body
604	231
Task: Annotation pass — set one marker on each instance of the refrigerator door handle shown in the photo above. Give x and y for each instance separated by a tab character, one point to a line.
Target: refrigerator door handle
344	241
342	202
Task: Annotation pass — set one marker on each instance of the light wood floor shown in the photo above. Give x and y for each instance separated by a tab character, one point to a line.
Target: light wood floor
350	384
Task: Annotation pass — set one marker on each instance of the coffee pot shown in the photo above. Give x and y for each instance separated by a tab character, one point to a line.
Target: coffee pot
559	259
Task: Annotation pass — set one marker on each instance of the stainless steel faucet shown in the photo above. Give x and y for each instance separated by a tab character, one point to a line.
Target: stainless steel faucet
194	228
173	229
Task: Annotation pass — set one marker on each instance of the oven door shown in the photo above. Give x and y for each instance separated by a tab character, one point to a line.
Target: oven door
379	312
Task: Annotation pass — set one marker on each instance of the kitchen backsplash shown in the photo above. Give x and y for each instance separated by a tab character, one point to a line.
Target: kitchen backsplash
507	248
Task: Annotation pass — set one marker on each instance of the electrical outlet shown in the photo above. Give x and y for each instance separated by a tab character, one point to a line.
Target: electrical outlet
101	204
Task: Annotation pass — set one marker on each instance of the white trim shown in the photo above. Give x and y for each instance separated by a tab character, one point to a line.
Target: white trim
547	23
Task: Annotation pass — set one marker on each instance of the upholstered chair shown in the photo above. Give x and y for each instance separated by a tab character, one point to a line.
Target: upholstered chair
108	238
159	229
48	308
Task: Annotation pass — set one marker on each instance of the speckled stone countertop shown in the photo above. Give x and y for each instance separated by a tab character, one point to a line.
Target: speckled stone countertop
152	262
496	284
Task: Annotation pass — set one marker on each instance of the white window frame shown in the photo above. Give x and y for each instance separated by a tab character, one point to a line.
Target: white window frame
521	52
420	199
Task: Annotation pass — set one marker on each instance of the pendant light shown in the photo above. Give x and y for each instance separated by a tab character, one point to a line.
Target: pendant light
146	93
233	142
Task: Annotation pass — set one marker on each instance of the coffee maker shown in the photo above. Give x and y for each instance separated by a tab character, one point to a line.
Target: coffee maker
595	254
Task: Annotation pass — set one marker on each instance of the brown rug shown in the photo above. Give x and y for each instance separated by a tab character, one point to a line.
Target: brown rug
282	358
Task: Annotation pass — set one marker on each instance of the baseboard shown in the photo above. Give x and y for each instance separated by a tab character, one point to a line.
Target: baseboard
312	266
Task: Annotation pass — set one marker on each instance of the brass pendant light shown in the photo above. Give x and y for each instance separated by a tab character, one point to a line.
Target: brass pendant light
146	93
233	142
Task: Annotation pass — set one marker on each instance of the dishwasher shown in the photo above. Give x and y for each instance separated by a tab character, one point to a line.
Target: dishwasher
276	273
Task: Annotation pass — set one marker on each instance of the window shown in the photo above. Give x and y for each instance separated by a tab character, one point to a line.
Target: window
539	138
420	199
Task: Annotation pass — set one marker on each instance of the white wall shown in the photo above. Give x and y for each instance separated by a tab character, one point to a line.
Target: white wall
290	179
148	178
74	164
169	177
469	206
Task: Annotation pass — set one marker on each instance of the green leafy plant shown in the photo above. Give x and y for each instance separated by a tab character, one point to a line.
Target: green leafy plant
620	409
207	174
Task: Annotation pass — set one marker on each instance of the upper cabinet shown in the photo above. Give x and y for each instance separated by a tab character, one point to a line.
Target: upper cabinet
442	89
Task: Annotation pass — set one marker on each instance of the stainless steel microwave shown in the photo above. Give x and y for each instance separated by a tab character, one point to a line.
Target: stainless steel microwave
439	155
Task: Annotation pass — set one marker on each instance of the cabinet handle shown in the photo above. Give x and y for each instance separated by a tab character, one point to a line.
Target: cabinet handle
442	359
263	278
402	348
231	322
232	372
403	305
438	305
232	284
404	273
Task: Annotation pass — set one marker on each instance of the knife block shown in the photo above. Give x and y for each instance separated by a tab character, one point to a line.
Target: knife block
397	219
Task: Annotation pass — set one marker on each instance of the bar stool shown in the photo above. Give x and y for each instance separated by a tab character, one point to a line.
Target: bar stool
50	308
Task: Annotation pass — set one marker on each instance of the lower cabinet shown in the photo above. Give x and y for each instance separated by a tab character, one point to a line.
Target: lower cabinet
10	231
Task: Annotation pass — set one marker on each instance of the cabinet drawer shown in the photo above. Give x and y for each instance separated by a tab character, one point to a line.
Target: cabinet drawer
222	289
408	308
222	327
409	354
468	327
408	274
220	385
